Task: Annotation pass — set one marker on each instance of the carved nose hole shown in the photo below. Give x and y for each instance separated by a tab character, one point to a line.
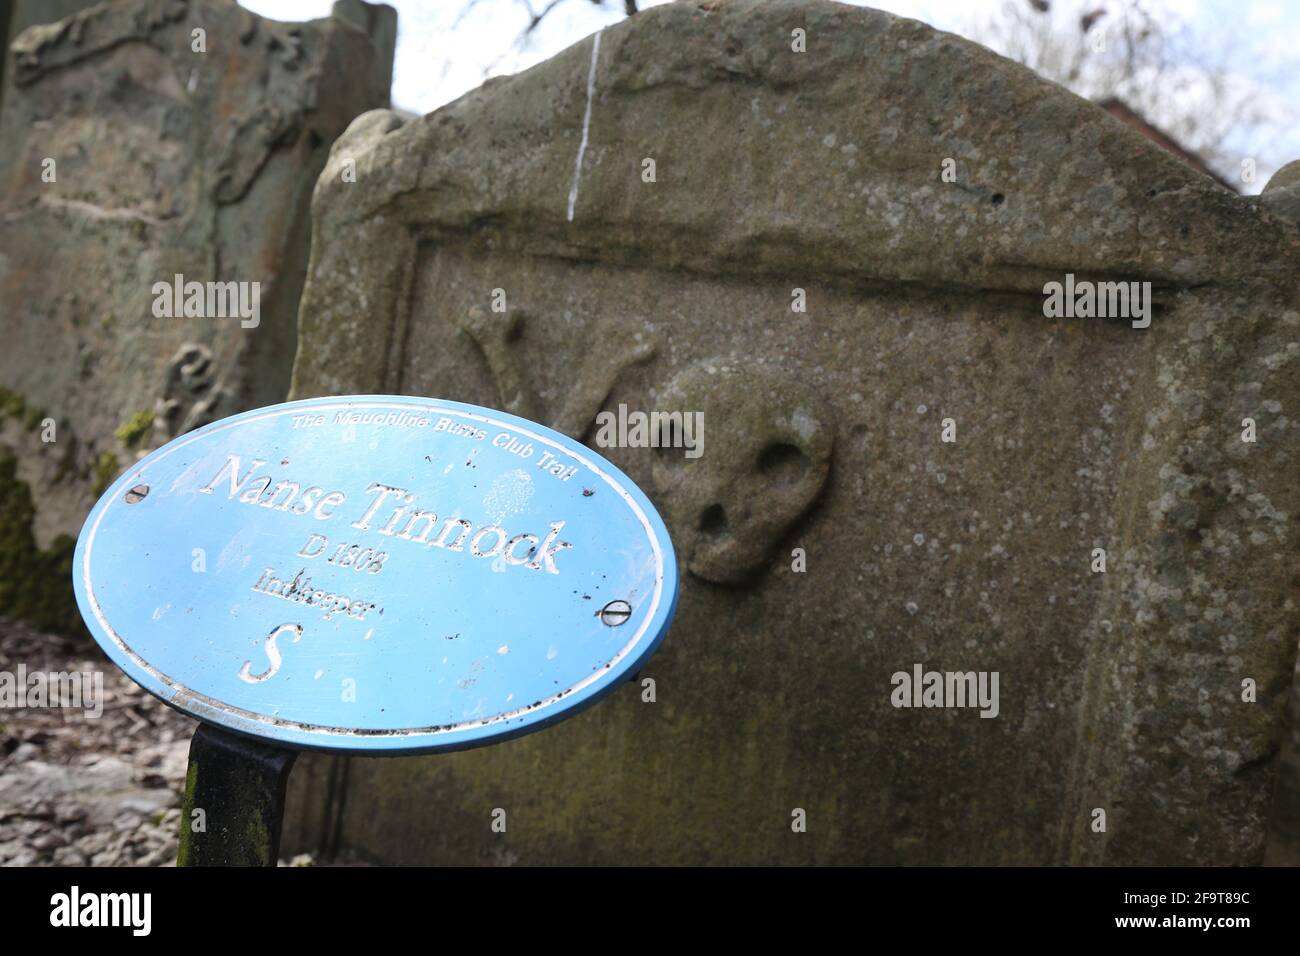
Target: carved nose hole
713	521
782	463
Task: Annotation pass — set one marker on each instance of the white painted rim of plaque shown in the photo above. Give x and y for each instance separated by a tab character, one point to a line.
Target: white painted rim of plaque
406	741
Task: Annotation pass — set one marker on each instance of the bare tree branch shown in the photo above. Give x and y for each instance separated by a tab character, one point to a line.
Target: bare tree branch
536	18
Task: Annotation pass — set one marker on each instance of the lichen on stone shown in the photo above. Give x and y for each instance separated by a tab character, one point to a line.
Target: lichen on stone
132	431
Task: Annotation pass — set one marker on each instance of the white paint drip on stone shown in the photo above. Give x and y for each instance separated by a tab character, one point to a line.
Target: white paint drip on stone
586	126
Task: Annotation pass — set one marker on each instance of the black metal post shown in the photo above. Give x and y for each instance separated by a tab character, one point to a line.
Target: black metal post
234	800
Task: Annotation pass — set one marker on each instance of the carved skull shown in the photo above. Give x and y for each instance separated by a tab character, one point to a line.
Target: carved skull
766	454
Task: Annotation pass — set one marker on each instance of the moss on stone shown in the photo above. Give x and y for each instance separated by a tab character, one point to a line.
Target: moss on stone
11	403
34	417
35	584
131	432
184	854
107	468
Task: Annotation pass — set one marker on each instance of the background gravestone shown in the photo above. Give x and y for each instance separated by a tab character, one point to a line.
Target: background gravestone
166	159
775	171
17	15
6	18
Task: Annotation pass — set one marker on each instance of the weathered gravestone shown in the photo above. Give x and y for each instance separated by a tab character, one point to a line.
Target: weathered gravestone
149	149
920	472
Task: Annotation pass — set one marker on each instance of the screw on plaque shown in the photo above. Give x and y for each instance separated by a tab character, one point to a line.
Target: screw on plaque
136	494
615	613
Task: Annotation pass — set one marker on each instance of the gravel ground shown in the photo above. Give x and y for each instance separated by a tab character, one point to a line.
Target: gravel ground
79	790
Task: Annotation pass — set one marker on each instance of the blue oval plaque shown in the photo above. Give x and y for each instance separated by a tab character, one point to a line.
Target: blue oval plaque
376	573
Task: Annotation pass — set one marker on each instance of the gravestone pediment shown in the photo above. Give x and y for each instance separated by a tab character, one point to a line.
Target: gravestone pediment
947	457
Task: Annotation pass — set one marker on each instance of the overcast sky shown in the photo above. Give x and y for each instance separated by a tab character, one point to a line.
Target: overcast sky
446	48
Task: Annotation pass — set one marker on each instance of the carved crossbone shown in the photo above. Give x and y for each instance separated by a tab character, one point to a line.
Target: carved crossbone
608	355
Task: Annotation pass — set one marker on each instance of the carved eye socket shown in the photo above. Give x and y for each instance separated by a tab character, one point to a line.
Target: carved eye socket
782	463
